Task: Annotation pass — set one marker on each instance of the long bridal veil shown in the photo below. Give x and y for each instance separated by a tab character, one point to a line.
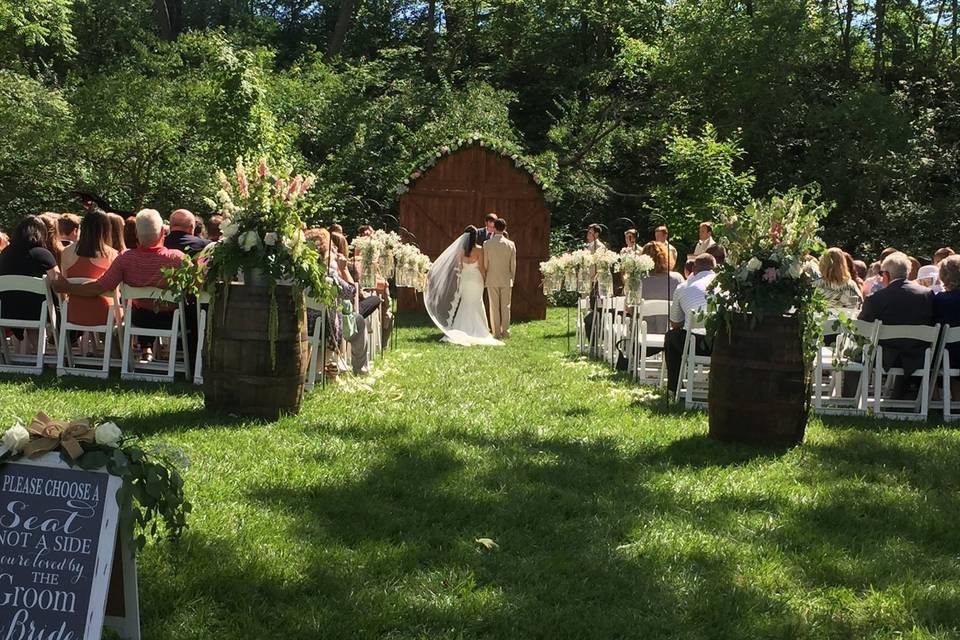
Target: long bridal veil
442	293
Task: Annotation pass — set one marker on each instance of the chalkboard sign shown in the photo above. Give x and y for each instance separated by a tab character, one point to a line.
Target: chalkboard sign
58	528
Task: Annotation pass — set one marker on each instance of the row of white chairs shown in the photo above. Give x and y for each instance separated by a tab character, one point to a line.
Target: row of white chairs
318	342
612	326
54	348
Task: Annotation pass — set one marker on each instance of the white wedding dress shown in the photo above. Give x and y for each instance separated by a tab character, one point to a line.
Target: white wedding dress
454	298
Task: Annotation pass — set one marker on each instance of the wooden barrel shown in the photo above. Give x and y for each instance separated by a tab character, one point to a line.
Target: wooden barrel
759	382
237	376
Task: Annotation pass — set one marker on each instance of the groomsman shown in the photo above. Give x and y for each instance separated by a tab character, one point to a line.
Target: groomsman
500	262
488	230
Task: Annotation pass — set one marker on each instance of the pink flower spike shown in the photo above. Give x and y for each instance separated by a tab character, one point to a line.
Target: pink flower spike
280	187
307	184
262	168
295	185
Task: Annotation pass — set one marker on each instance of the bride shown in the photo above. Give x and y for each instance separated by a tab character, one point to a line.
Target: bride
454	293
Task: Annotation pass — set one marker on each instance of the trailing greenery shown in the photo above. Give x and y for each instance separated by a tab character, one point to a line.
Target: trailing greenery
614	515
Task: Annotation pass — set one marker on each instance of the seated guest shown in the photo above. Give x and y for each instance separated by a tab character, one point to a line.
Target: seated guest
660	235
118	232
689	296
942	253
900	302
946	306
660	284
52	242
914	268
929	277
181	237
68	226
874	283
336	228
200	229
140	267
705	231
213	228
26	255
364	231
90	257
855	274
629	241
352	324
688	268
719	253
4	240
838	288
129	237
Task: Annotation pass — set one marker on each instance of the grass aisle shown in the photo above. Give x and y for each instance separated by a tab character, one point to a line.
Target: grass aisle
614	516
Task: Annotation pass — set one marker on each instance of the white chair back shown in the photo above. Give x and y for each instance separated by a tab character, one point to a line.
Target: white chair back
176	337
67	363
920	406
45	324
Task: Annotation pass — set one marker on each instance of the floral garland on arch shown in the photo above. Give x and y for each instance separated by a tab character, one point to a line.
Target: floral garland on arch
151	497
263	237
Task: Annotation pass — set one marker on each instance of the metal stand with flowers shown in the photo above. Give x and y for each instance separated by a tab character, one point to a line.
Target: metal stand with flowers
763	316
256	347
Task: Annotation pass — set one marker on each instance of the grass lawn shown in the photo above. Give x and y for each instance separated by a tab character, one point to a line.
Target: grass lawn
614	515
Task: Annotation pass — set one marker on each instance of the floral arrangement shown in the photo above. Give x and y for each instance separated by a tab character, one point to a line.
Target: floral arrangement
263	236
607	263
411	267
368	249
390	243
553	274
767	271
152	493
634	267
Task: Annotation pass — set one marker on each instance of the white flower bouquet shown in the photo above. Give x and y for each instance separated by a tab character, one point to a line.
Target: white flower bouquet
634	267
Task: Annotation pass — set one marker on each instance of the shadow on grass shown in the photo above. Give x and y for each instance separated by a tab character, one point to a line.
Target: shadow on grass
50	381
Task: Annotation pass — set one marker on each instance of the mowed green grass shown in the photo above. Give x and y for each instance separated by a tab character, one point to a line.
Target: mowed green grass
615	516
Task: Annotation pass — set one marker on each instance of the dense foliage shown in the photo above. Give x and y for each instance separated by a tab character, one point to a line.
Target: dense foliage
635	113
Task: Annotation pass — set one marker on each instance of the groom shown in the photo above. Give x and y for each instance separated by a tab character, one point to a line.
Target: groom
500	262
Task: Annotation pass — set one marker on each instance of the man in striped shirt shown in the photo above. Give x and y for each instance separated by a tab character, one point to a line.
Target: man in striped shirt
688	296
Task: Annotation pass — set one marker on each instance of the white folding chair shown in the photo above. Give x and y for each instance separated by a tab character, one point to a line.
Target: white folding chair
694	381
643	341
616	329
203	306
79	365
918	407
45	324
949	370
317	342
176	337
832	363
583	341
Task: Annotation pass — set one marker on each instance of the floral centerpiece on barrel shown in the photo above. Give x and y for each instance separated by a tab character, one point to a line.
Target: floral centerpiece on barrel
763	314
263	240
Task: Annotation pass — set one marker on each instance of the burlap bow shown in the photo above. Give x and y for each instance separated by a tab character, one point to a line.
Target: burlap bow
49	435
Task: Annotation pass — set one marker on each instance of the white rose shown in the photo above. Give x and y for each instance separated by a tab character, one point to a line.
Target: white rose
229	230
753	264
270	239
795	270
108	433
249	240
16	438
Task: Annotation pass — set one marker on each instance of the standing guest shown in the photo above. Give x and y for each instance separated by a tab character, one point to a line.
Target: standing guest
118	232
688	297
53	243
660	235
660	284
941	254
68	226
629	241
594	243
140	267
365	231
90	257
900	302
946	306
182	226
4	240
838	288
488	229
705	232
213	228
718	252
26	255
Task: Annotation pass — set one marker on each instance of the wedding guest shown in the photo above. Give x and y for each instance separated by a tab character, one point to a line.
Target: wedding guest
942	253
629	241
688	267
89	257
336	228
946	306
351	322
718	252
365	231
118	232
705	232
860	269
838	288
594	243
900	302
68	227
688	297
213	228
4	240
914	268
660	284
140	267
488	229
660	235
182	226
875	282
52	239
851	269
26	255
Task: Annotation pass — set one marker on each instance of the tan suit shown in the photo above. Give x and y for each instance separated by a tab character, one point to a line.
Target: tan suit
500	261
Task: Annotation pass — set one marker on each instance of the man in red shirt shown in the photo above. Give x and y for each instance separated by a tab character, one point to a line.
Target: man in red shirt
138	267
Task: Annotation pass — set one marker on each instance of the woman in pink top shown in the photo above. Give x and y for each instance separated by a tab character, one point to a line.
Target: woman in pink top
90	257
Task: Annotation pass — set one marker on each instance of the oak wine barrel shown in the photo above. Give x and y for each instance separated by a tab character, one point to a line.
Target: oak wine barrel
759	382
238	377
